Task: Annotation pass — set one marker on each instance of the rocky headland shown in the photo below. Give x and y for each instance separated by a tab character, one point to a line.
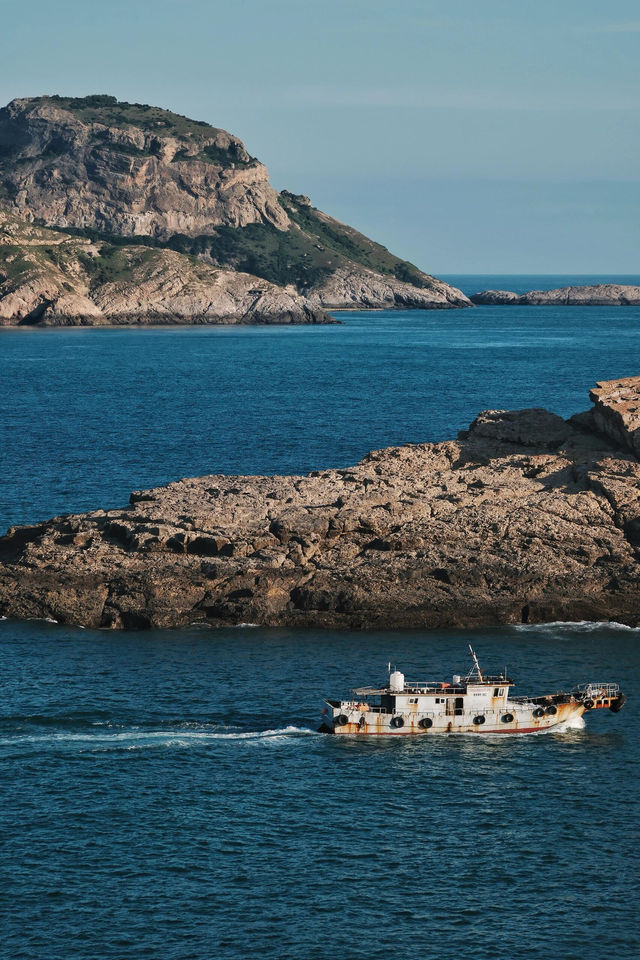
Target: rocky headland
525	517
115	212
49	278
593	295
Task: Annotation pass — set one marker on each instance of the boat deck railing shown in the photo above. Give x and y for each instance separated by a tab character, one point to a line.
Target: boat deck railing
596	690
412	688
433	686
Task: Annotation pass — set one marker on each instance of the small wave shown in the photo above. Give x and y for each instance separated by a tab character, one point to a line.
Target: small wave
577	626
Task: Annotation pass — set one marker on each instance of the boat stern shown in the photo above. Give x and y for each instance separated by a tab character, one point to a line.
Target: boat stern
601	696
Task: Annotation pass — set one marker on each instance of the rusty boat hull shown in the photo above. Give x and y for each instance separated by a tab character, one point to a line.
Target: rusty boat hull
380	726
478	704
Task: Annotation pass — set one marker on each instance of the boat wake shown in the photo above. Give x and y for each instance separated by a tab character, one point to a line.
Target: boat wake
141	738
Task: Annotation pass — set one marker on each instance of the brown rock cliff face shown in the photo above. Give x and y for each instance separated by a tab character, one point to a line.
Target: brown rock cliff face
525	517
75	171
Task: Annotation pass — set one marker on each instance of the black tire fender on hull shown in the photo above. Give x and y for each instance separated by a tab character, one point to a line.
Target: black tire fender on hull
617	705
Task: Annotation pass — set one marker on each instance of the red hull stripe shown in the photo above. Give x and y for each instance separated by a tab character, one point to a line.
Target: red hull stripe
413	733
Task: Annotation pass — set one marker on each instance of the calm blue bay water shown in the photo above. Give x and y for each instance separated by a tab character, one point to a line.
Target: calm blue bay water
164	795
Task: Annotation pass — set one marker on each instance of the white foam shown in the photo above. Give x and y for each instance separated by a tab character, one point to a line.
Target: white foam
578	626
140	738
575	723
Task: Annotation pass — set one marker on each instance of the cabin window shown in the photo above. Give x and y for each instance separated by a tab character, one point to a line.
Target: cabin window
498	692
413	699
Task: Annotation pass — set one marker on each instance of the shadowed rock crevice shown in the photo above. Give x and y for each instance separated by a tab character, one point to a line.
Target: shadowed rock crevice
525	517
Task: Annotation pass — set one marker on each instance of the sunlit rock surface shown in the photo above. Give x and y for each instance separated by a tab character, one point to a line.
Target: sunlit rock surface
525	517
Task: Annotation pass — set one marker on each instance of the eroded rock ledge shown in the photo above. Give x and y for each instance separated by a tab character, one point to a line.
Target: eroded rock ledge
525	517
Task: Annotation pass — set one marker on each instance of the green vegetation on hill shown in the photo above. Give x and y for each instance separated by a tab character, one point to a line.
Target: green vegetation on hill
114	263
304	256
28	250
101	108
283	257
109	112
344	241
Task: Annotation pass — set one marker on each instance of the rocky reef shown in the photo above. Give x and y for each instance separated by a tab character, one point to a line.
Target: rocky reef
525	517
115	173
600	294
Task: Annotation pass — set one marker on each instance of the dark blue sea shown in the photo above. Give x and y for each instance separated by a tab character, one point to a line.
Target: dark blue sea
165	795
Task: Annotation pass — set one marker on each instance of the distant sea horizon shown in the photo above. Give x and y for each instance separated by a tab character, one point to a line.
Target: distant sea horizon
471	283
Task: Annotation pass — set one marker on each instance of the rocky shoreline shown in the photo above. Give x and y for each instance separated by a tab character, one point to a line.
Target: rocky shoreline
525	517
589	295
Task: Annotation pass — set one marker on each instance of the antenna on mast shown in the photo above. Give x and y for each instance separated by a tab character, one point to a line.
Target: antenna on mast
475	660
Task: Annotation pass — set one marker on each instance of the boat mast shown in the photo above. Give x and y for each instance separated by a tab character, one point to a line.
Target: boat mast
475	660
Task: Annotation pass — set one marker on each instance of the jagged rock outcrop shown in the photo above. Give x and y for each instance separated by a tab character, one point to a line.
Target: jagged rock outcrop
600	294
107	169
53	279
525	517
616	412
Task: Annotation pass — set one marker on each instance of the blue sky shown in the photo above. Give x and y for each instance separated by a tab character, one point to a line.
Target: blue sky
467	136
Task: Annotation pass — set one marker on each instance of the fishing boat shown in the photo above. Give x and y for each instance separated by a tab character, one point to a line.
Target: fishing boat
476	703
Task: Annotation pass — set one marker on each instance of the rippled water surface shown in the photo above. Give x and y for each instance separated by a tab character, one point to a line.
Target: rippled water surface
165	795
87	415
